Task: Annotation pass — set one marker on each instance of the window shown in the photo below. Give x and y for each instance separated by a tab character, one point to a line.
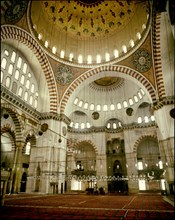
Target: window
112	107
26	96
98	59
139	120
7	83
140	95
107	57
13	57
146	119
140	165
62	53
28	148
32	88
27	84
88	125
24	68
125	104
143	93
39	36
92	107
80	103
89	59
3	63
10	69
136	98
82	125
124	48
17	74
131	42
131	102
2	75
80	59
76	101
114	126
22	79
116	53
54	49
36	103
31	100
19	62
76	125
6	52
105	108
138	35
85	105
152	118
71	56
46	44
108	125
98	107
20	91
119	106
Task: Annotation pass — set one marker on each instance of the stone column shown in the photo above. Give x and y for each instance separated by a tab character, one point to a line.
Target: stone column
132	173
166	142
17	168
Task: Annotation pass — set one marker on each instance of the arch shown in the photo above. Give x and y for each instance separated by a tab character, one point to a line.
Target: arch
15	33
89	142
115	68
142	138
14	114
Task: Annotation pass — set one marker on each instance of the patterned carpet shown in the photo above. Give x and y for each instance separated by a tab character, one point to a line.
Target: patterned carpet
61	207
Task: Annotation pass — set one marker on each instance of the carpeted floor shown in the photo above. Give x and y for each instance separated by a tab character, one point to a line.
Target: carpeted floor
140	207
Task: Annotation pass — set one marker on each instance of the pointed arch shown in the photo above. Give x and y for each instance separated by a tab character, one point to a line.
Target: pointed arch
14	114
16	33
89	142
138	141
101	70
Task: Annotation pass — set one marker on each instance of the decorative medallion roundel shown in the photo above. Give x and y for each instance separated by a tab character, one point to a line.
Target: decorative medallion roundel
142	60
63	74
15	12
95	115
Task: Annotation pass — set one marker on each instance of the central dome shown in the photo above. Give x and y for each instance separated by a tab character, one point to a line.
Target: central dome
88	33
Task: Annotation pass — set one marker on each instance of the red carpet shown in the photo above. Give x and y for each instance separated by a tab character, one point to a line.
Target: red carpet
25	206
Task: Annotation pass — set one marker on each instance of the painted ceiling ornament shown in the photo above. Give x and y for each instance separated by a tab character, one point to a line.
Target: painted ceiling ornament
16	10
63	74
142	60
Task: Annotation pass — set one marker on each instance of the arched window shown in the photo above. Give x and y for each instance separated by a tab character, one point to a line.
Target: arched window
27	84
19	63
22	79
28	148
2	75
92	107
136	98
139	120
36	103
10	69
76	101
31	100
32	88
26	96
86	105
24	68
8	81
125	104
119	106
98	107
6	53
20	91
3	63
131	102
80	103
17	74
13	57
105	108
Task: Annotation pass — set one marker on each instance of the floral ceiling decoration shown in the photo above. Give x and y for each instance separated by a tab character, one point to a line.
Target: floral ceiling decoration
89	18
142	60
63	74
16	10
